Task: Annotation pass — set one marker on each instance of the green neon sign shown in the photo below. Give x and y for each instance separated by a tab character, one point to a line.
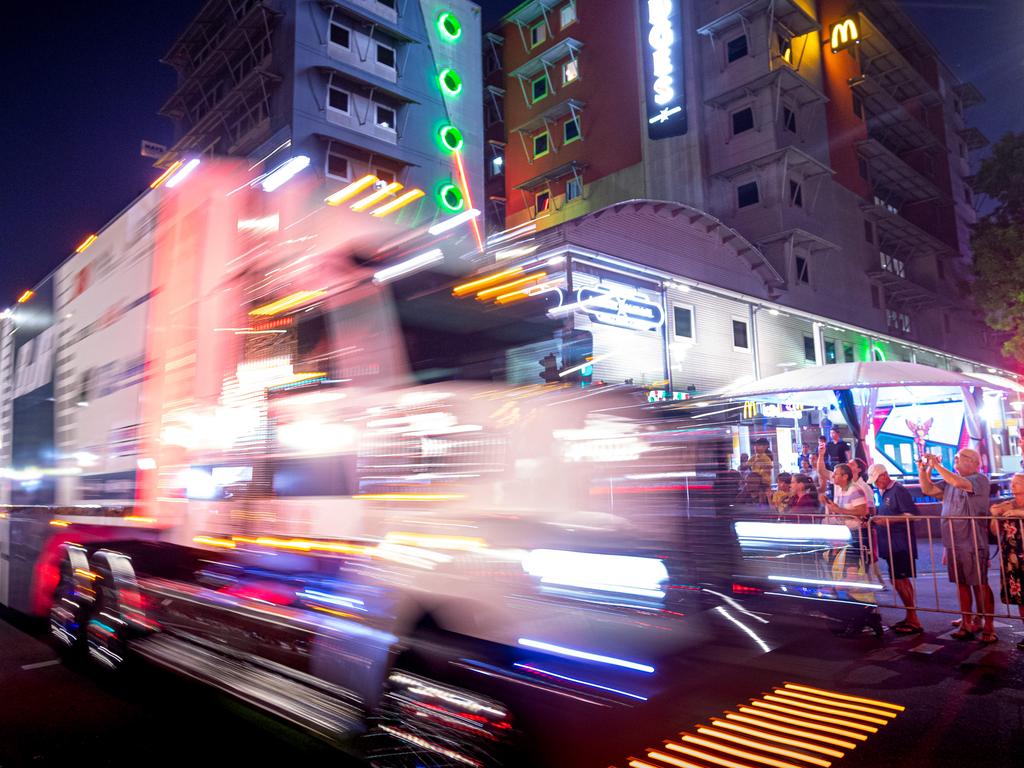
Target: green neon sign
450	82
451	138
451	198
449	27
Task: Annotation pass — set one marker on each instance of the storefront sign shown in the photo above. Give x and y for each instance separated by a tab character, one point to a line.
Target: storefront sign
664	395
663	65
844	34
614	306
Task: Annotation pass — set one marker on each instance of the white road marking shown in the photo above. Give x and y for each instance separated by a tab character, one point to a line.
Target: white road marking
40	664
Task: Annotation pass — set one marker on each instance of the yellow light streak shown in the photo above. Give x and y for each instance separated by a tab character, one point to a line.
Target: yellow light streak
60	523
288	302
462	290
351	190
675	760
791	732
704	756
139	519
410	496
165	175
26	296
803	724
811	716
835	703
375	197
498	289
436	541
86	243
762	746
844	697
826	710
86	574
211	541
690	738
399	202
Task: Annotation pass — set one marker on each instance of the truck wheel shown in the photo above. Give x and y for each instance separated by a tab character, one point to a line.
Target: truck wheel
424	722
112	616
72	602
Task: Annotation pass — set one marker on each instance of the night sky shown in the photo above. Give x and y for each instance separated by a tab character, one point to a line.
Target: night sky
82	83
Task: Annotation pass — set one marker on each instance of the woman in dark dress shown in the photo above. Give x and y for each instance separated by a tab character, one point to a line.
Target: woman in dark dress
1008	526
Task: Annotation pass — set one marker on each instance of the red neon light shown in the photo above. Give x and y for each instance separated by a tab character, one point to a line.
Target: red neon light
469	201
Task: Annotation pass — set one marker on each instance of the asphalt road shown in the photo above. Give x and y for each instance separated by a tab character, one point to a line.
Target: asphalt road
964	704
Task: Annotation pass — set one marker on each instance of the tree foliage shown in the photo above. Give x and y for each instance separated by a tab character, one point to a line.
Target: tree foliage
997	241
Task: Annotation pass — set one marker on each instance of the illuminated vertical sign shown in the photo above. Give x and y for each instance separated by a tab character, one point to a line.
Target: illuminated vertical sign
662	49
844	33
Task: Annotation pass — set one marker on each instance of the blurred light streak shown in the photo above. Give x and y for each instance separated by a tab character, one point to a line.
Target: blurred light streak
288	302
746	742
409	265
546	673
263	225
165	175
469	200
324	597
640	576
453	221
211	541
844	697
512	232
825	710
496	290
84	245
399	202
513	253
833	703
437	541
794	732
825	582
60	523
351	190
691	739
791	531
430	746
735	605
410	496
313	436
762	705
28	294
676	761
284	172
375	197
139	519
182	173
806	745
802	723
465	288
750	633
573	653
302	545
584	364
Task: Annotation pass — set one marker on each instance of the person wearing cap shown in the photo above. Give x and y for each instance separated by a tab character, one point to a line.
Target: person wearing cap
896	542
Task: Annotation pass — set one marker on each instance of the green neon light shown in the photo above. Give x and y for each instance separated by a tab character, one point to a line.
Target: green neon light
449	27
451	138
451	199
450	82
878	354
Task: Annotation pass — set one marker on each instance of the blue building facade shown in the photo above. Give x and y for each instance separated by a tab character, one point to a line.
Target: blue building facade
388	89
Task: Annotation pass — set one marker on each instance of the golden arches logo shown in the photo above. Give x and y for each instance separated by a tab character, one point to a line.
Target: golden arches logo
844	34
749	409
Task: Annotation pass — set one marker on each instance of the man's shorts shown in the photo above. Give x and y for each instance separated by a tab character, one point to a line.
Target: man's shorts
967	566
901	562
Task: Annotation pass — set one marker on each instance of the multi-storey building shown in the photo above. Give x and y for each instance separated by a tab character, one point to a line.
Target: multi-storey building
361	87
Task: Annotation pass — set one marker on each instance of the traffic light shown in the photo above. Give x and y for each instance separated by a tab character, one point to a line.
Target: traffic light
550	369
577	354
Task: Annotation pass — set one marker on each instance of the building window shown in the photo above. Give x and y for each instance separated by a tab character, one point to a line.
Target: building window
740	338
571	130
338	166
340	35
497	164
568	14
542	201
743	120
541	144
848	353
683	321
736	48
492	59
869	232
573	189
862	168
785	47
538	33
876	297
746	194
338	99
386	176
809	354
796	193
803	271
385	117
492	113
386	55
387	3
893	265
789	119
940	268
570	71
539	88
830	352
898	321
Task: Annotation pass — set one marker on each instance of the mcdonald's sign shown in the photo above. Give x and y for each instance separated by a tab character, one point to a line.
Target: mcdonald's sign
845	33
749	409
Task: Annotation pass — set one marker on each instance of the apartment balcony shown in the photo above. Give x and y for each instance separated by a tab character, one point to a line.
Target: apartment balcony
545	61
908	295
973	138
784	82
899	236
788	14
882	61
892	179
370	22
888	120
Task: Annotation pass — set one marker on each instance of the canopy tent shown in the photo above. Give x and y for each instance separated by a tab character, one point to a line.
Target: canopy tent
859	388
